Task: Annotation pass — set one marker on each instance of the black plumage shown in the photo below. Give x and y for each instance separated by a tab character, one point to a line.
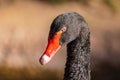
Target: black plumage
77	38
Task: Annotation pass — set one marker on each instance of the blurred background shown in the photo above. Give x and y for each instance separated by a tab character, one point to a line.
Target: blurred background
24	28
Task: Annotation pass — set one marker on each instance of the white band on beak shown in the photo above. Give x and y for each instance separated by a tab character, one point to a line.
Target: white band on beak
44	59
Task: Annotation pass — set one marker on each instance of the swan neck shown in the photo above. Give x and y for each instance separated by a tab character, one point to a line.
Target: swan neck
78	60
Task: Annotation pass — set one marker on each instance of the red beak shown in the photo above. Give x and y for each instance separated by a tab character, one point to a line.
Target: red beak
52	47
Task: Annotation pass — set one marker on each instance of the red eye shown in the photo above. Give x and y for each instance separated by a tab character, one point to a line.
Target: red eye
63	29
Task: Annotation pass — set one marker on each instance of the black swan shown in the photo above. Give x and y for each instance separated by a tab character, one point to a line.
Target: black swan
70	28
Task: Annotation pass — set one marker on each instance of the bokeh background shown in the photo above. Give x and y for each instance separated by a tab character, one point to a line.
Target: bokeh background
24	28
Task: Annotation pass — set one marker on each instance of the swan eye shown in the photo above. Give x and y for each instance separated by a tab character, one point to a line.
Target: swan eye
63	29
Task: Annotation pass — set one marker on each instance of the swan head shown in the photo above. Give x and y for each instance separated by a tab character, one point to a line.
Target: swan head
64	29
59	39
